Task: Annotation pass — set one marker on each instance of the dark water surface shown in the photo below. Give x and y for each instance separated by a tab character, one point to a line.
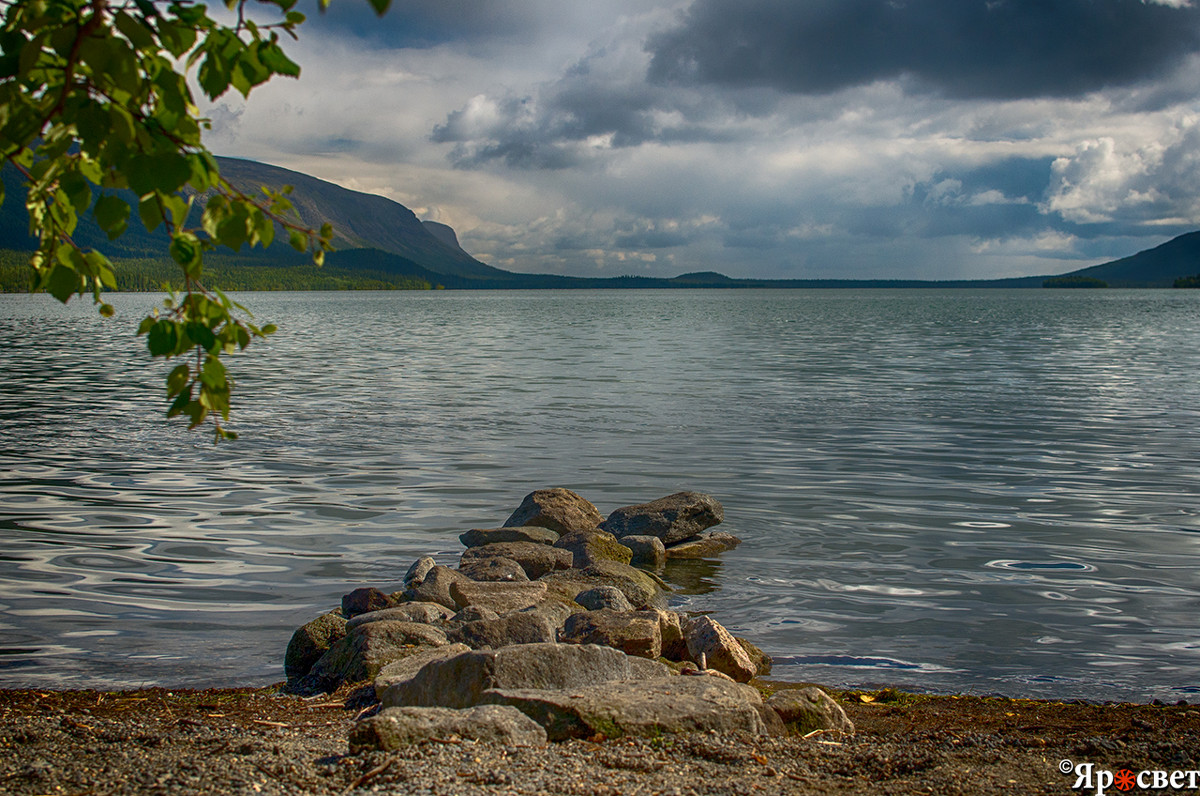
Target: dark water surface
985	491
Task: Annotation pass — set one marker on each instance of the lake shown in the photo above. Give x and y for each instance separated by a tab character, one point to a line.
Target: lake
982	491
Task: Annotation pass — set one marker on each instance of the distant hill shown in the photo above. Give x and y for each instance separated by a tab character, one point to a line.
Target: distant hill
1157	267
385	240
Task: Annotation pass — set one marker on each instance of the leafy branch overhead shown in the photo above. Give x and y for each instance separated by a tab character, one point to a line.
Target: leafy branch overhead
97	115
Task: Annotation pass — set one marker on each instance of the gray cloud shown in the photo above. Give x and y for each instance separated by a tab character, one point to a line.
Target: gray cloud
997	49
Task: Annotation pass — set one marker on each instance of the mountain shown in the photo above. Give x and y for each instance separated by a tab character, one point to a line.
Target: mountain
1157	267
376	235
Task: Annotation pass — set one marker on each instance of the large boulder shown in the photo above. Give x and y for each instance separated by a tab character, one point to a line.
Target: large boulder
500	597
705	636
633	632
672	519
395	728
369	647
631	580
310	642
460	681
535	559
588	547
406	668
514	628
645	708
421	613
705	545
670	627
435	587
478	537
804	710
497	569
560	510
365	600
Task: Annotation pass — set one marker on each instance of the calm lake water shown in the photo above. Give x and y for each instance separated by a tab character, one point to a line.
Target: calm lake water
975	491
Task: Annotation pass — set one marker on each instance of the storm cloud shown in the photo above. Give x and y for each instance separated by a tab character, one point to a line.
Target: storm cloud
995	49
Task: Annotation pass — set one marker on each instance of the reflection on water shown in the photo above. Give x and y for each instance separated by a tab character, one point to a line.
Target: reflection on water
693	576
992	491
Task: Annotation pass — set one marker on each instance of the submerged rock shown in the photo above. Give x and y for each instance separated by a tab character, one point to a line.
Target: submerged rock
672	519
560	510
646	551
704	545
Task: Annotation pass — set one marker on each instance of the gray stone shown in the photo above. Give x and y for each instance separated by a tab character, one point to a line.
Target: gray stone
395	728
804	710
646	551
365	600
422	613
604	597
368	648
672	518
310	642
670	626
560	510
555	608
632	632
500	597
639	591
417	572
641	708
478	537
406	668
515	628
761	660
473	613
535	559
705	636
435	587
706	545
460	681
640	587
588	547
493	569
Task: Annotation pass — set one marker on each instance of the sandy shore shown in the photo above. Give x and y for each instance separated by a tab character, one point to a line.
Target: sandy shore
259	741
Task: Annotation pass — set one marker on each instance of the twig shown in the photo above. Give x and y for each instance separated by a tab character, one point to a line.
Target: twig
269	723
379	769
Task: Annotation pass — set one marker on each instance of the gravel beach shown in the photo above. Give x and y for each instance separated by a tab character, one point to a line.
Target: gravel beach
234	741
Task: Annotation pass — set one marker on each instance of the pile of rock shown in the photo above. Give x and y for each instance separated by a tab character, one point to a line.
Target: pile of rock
547	630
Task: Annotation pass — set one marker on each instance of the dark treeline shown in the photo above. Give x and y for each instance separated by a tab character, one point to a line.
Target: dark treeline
148	275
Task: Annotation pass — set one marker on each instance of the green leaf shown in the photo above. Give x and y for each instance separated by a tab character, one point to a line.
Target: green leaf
163	339
112	215
185	250
63	283
380	6
178	380
273	58
201	335
107	311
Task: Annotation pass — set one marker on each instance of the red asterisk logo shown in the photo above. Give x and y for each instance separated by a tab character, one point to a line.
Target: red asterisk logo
1124	779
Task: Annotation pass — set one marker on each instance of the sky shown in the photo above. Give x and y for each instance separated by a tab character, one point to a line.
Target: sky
806	139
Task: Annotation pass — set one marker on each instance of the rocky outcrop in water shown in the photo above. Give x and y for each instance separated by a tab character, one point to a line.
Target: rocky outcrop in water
546	630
